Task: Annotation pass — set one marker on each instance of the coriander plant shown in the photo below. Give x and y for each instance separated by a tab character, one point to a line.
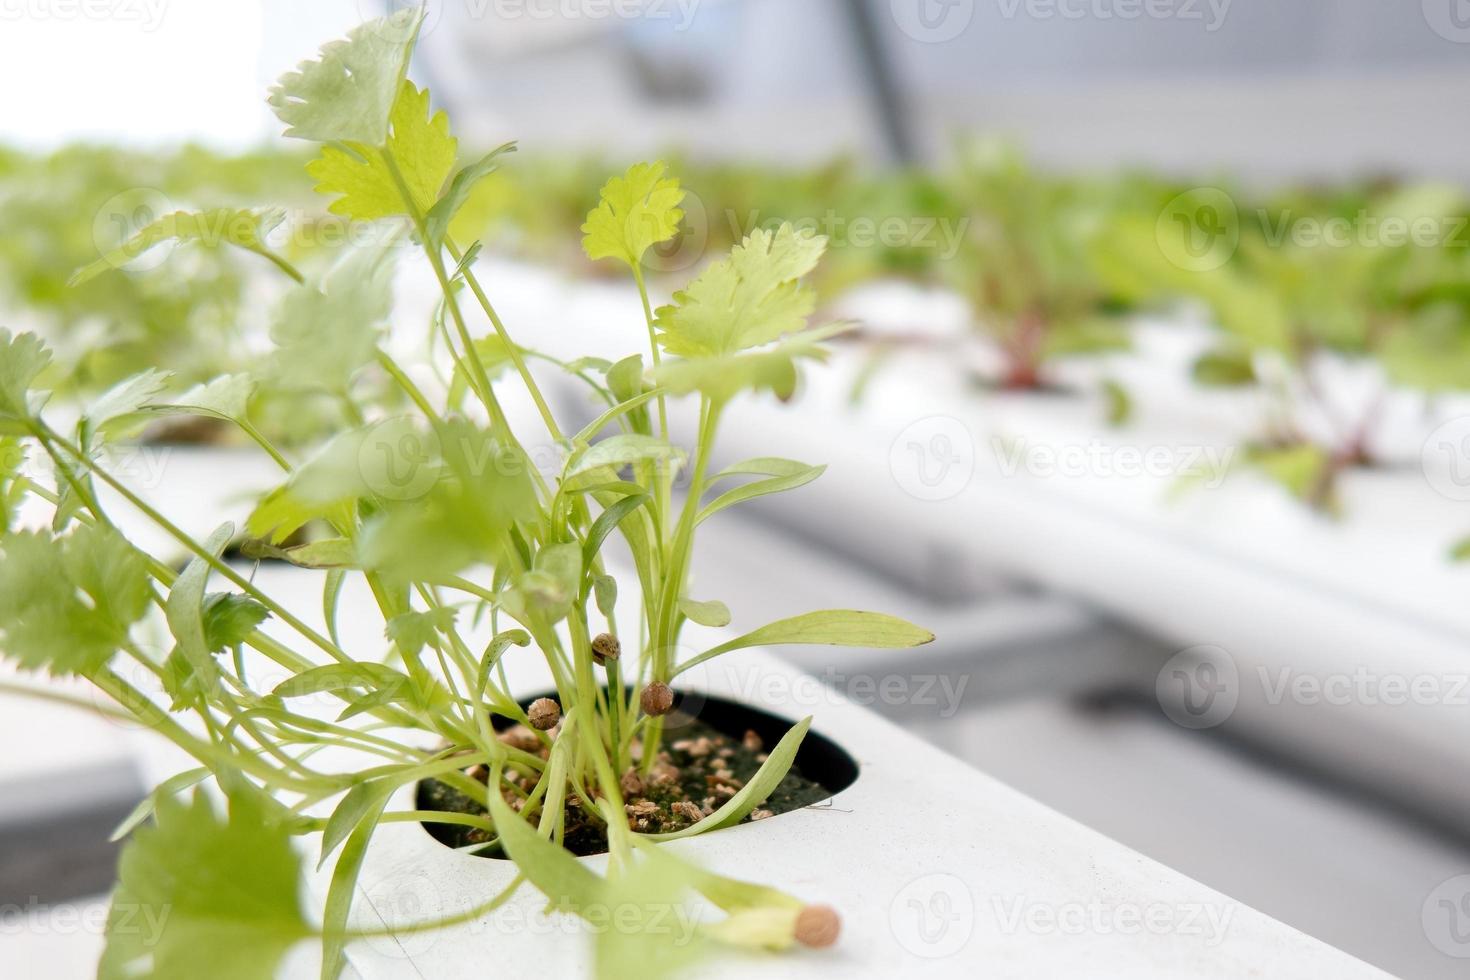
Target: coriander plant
479	537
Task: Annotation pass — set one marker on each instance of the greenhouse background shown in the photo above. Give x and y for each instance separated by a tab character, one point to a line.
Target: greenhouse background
1154	406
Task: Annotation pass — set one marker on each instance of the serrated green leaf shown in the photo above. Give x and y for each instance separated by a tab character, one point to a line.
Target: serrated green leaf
749	299
412	631
325	332
422	149
67	603
773	368
229	619
22	358
637	211
347	92
203	896
242	228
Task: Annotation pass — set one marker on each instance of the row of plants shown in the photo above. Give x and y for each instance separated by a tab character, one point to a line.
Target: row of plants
1054	269
481	556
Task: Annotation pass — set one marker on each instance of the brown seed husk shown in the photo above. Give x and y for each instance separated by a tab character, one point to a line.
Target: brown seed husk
657	699
817	926
544	714
606	647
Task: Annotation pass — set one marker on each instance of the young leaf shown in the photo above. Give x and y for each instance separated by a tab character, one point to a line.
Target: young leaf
360	802
412	631
358	824
441	215
184	611
551	586
753	793
798	477
832	627
175	784
714	613
618	451
610	518
334	678
218	897
771	368
229	619
22	358
244	229
638	210
655	934
325	332
123	400
226	398
347	93
495	648
1228	367
67	603
422	149
749	299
